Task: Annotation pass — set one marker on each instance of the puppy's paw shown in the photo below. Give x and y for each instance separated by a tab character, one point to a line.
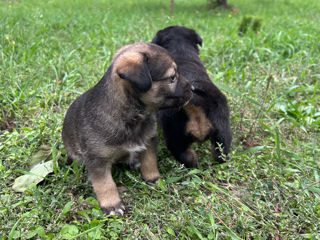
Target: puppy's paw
218	155
153	181
151	177
189	159
117	210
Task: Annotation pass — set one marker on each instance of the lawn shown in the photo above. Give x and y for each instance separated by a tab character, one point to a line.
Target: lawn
52	51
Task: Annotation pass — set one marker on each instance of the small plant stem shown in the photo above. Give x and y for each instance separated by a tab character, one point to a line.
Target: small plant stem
253	126
171	7
309	186
215	213
234	206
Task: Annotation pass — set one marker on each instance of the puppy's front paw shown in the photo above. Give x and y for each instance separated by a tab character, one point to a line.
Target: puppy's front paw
153	181
189	159
117	210
218	155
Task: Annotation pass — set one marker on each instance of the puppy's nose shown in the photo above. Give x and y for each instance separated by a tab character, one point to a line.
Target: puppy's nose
192	88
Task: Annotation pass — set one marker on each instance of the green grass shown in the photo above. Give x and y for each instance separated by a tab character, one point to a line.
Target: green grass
52	51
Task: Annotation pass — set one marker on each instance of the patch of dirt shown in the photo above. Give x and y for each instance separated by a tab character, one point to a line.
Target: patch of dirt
8	124
248	142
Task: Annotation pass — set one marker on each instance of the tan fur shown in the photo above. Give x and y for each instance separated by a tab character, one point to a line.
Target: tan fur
132	48
128	61
192	153
149	165
171	71
152	98
105	189
198	125
125	62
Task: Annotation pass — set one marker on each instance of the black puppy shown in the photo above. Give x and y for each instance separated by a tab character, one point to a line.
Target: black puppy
207	114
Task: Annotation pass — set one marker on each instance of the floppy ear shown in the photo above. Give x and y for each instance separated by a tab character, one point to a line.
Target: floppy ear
133	67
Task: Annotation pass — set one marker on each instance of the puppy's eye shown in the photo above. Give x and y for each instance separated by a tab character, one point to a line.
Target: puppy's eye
173	78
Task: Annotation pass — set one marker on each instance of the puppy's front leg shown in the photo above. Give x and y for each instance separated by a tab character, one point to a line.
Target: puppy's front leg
149	163
106	190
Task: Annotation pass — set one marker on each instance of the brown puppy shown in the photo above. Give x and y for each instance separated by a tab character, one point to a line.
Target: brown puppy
115	121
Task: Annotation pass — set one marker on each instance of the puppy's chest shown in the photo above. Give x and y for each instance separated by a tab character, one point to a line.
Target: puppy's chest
140	132
144	131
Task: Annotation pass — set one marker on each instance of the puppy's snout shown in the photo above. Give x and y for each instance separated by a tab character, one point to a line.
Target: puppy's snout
188	88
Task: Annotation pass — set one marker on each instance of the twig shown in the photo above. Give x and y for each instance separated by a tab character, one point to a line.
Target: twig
277	211
309	186
215	213
235	206
278	187
230	224
205	201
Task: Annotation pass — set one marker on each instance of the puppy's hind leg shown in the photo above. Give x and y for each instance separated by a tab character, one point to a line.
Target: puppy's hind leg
182	151
149	163
105	188
178	143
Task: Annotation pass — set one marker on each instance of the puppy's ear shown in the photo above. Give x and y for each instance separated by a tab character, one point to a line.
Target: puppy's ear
163	36
133	67
196	38
158	38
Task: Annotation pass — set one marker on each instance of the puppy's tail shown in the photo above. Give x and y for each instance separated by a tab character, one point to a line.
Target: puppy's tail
221	135
217	110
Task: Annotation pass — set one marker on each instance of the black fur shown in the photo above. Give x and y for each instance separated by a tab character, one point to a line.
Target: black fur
182	44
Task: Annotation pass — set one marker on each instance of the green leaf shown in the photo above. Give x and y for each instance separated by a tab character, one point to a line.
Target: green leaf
277	143
96	233
92	201
32	234
162	184
40	156
211	236
314	189
41	232
67	208
253	150
232	234
36	175
291	170
69	231
174	179
196	231
13	232
194	171
170	231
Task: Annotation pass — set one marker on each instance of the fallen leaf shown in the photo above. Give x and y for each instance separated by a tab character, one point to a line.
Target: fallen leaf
40	156
36	175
